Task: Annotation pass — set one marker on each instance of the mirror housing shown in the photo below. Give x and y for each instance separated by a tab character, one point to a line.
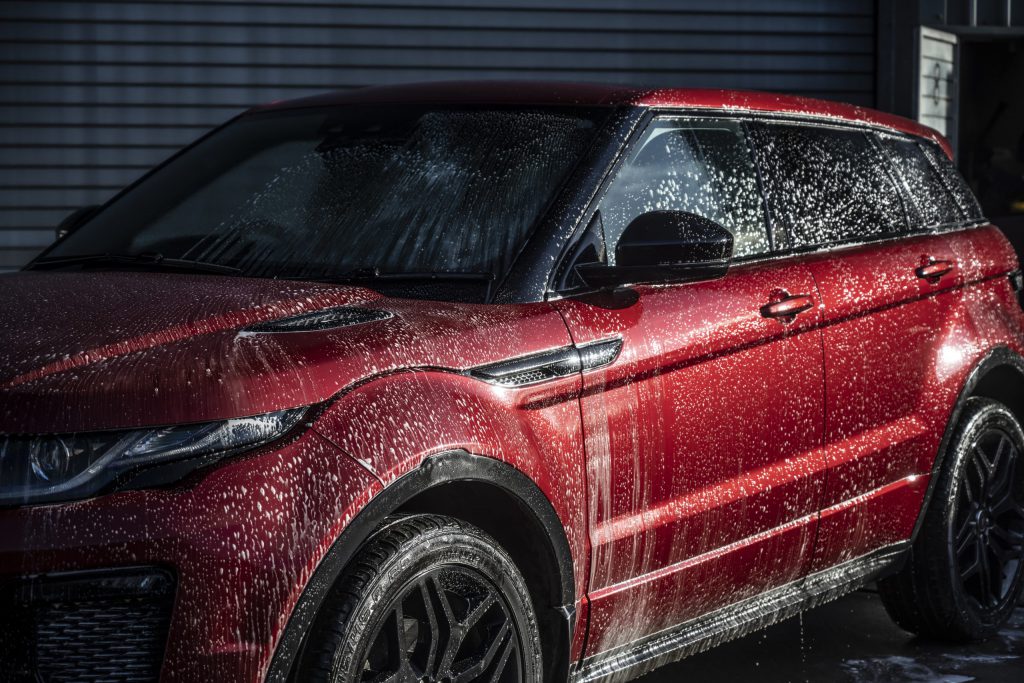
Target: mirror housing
75	220
664	247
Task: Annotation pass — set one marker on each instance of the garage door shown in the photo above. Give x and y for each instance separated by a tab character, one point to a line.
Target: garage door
92	94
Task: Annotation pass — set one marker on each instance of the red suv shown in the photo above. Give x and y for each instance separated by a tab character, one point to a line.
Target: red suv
506	382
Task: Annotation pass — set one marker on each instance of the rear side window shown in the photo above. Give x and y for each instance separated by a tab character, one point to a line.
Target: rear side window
929	193
956	183
700	166
827	185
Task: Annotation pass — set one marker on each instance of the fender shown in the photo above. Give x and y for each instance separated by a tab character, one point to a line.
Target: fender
392	423
450	466
998	356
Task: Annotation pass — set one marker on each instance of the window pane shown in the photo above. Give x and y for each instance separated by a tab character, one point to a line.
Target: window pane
698	166
957	185
320	193
827	185
935	204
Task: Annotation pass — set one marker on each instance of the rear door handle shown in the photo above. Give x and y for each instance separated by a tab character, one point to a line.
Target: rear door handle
788	307
933	269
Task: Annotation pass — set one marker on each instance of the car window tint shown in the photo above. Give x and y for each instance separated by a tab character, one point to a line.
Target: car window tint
929	193
320	193
827	185
700	166
956	183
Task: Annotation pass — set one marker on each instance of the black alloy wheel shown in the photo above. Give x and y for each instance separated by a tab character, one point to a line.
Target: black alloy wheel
429	599
965	570
450	625
987	537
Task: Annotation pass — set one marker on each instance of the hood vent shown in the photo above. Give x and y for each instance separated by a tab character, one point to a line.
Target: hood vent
327	319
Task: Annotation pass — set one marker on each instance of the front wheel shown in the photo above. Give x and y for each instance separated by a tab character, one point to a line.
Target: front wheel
428	600
964	574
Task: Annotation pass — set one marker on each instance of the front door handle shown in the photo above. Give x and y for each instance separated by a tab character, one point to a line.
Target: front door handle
932	269
787	307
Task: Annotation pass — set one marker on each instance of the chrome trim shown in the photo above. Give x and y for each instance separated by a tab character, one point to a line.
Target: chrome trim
549	365
529	370
738	619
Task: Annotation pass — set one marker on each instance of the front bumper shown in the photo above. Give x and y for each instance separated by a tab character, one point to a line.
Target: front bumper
228	553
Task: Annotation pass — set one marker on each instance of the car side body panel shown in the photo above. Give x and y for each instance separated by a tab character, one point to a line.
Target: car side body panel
899	349
703	444
883	326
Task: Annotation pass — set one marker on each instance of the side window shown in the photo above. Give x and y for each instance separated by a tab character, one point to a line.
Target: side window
935	205
827	185
956	183
700	166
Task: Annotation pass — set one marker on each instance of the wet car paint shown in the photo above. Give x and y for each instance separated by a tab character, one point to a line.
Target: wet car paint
829	423
242	540
668	494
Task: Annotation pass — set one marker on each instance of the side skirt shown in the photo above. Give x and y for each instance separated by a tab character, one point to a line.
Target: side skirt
739	619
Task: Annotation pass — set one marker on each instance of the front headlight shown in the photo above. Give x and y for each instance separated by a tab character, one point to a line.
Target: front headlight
50	468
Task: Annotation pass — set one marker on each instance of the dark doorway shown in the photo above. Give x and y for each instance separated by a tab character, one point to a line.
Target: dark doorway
992	129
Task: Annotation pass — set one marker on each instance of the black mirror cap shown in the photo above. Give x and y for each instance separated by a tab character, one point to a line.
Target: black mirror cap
665	247
672	238
76	219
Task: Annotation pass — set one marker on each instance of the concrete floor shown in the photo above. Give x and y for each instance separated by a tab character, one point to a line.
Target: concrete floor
853	641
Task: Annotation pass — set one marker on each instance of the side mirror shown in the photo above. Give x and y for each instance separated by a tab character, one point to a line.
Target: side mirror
75	220
662	247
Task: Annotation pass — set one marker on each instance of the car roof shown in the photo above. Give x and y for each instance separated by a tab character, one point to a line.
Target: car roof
545	93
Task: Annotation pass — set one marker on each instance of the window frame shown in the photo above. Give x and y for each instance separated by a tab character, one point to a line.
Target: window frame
636	138
779	250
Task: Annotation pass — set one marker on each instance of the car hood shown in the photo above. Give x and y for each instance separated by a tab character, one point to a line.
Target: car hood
111	350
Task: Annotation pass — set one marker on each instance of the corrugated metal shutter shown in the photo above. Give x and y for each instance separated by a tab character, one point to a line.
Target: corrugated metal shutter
94	93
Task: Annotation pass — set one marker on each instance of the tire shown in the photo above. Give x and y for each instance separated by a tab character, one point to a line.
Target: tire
464	609
964	573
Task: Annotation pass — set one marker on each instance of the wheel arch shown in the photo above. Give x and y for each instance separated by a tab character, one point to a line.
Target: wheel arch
455	483
999	375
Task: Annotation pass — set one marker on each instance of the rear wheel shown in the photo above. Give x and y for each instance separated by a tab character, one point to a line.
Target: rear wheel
964	574
429	600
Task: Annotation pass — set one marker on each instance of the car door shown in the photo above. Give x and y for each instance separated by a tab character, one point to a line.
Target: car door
703	436
885	280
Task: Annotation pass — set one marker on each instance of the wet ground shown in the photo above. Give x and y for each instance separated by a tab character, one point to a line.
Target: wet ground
851	641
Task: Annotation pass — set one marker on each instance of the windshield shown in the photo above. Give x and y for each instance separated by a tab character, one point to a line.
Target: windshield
330	193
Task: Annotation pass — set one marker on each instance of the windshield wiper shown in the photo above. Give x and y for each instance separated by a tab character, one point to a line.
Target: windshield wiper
149	259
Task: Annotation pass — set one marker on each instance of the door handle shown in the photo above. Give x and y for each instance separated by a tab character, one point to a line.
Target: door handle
932	269
787	307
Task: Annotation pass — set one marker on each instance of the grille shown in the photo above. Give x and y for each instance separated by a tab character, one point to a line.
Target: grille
526	377
91	626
